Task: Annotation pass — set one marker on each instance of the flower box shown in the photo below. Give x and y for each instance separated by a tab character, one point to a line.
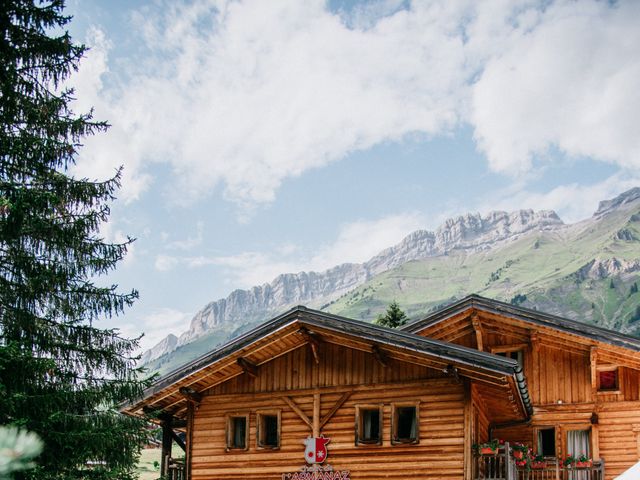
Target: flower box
488	451
521	463
538	465
585	464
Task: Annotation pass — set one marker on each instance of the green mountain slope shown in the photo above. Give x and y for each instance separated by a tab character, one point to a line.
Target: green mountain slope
588	271
549	271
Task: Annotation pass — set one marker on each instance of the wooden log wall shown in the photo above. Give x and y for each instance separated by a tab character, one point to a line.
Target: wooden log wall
438	455
561	376
337	366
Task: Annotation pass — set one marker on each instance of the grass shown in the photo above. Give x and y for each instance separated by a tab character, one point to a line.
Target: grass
146	468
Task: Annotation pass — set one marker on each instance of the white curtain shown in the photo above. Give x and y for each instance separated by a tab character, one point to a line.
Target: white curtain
577	445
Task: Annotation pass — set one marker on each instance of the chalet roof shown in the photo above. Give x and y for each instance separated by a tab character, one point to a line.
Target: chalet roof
284	334
528	315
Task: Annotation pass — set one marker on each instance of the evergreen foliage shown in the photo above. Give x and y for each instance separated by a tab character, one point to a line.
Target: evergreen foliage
393	318
60	376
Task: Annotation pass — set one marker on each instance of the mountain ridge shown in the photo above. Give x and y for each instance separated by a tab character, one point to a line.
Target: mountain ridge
469	231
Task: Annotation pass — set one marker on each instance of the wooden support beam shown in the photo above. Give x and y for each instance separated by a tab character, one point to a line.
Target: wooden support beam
453	372
303	416
189	453
380	356
176	438
345	396
636	430
477	328
314	342
167	430
316	415
191	394
248	367
593	359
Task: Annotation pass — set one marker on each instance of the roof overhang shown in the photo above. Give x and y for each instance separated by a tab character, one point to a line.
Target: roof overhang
301	326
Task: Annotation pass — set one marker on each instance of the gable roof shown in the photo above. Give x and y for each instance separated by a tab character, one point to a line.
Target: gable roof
291	330
528	315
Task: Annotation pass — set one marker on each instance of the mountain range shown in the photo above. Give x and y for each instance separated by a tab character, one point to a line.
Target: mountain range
585	271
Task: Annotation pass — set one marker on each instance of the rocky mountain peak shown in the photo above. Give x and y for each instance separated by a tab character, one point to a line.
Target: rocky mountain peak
472	232
606	206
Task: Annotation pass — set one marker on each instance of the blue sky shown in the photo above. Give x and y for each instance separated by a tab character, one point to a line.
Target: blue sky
267	137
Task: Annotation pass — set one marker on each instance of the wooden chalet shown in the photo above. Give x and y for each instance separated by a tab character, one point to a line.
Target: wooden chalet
309	395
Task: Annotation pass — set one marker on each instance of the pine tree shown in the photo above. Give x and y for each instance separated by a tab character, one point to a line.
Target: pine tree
60	376
394	317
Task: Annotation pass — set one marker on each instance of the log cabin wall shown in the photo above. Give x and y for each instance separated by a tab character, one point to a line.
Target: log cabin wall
561	372
341	373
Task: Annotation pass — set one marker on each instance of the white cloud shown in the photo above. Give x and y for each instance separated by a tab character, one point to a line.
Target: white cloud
164	263
356	242
188	243
157	325
569	82
244	95
572	202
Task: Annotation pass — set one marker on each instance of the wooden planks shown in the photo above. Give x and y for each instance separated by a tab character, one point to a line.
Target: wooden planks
438	455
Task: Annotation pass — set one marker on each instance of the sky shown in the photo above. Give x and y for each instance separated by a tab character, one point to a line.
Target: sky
265	137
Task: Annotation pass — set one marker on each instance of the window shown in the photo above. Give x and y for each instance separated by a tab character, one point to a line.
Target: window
517	355
608	379
579	443
238	432
404	427
268	432
369	424
547	442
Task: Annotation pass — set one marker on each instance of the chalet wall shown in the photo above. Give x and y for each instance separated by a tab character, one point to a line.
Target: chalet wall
337	366
438	455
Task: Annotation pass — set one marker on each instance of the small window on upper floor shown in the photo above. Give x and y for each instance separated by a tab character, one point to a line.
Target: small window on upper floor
268	429
608	380
517	355
238	432
368	424
404	427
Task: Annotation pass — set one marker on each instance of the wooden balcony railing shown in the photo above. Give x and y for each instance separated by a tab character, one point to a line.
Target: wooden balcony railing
503	467
175	470
554	471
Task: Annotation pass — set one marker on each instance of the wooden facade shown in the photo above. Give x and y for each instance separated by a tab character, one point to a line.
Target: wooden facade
427	394
562	361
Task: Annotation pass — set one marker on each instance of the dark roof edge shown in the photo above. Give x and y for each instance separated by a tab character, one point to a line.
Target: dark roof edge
533	316
373	333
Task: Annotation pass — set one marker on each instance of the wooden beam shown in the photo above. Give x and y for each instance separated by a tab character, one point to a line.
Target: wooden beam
314	342
298	410
176	438
191	394
189	453
477	327
316	415
593	360
167	430
248	367
380	356
345	396
452	372
468	427
636	430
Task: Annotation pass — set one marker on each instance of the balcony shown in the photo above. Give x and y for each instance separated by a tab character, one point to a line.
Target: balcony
502	466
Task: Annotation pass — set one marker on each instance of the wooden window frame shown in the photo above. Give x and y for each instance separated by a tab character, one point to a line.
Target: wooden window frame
394	423
609	368
274	413
558	445
228	431
564	432
516	347
358	426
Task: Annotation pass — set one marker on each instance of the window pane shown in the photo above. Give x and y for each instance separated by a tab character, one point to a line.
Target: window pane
578	443
238	432
269	431
547	442
370	425
406	423
608	380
